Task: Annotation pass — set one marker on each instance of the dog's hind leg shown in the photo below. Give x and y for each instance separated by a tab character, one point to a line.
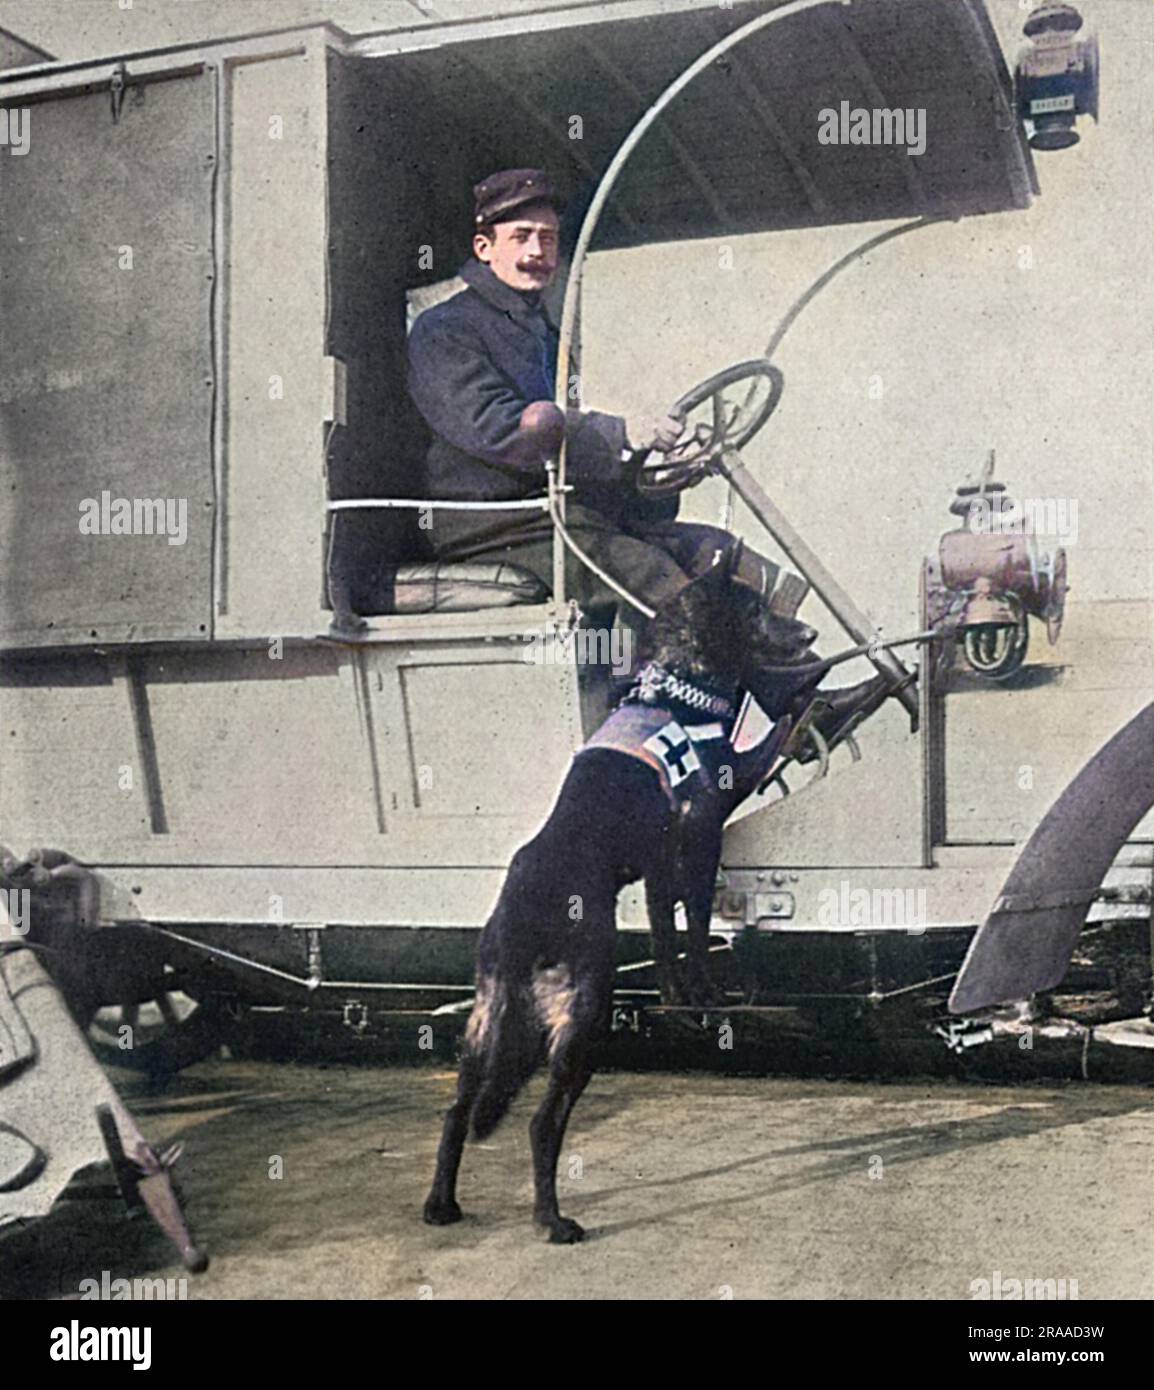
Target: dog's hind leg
576	1017
547	1132
441	1207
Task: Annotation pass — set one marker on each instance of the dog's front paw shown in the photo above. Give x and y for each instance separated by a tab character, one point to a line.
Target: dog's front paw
439	1213
562	1231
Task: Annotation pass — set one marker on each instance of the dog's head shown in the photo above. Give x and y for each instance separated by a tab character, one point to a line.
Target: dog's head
721	631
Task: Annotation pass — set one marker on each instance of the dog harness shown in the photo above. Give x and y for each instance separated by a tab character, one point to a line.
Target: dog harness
670	731
669	747
654	682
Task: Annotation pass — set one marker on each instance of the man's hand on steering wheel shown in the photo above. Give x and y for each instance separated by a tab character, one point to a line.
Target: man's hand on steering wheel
719	416
658	433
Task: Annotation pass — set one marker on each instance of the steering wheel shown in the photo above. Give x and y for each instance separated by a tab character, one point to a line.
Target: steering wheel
732	406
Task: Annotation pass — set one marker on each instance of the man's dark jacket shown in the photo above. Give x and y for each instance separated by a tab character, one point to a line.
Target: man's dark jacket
475	362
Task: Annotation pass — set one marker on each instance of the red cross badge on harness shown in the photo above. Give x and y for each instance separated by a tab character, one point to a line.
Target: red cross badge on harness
673	746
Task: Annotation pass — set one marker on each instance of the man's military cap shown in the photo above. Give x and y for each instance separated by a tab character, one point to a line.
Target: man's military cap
496	198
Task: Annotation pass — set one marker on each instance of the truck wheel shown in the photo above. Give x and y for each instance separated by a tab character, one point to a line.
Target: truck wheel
159	1035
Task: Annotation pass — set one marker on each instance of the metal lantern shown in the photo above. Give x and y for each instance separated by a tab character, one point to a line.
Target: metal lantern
1056	77
987	580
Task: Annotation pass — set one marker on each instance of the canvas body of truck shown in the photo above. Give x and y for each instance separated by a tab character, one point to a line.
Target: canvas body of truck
205	264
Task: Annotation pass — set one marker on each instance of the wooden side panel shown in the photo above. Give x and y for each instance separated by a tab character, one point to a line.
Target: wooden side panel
1012	747
472	744
273	467
209	756
261	751
106	285
473	747
305	757
865	813
70	766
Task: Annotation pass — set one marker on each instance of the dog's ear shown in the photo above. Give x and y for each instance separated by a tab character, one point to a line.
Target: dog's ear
716	575
724	566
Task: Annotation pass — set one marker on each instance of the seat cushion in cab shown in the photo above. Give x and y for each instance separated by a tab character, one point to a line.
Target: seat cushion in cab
379	565
463	586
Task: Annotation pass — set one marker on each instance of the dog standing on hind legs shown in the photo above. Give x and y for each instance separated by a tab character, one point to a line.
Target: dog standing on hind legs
546	973
546	959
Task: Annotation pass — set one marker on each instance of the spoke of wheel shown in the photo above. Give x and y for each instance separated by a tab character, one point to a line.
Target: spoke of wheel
164	1001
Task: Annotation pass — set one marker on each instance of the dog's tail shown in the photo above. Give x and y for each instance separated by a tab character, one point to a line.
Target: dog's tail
503	1041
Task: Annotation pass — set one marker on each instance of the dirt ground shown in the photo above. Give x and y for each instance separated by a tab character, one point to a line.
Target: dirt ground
690	1186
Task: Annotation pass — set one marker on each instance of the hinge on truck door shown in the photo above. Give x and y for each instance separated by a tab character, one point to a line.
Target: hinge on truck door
754	906
116	86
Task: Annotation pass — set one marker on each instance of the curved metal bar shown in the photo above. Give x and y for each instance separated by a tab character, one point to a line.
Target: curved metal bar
563	531
794	312
806	298
605	187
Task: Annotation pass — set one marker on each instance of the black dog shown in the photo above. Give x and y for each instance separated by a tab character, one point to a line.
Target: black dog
707	778
545	969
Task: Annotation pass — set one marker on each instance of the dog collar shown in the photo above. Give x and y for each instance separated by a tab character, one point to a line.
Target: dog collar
654	682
